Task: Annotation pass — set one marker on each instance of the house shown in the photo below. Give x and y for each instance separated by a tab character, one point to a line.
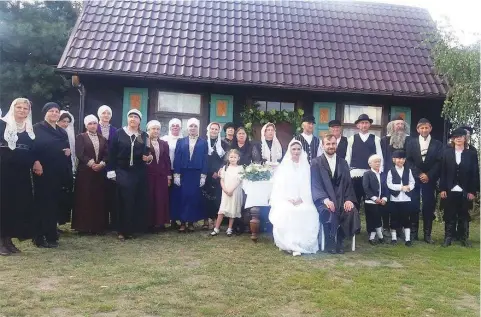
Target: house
209	59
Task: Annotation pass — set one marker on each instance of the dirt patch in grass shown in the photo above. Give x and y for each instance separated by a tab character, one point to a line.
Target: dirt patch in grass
62	312
468	302
293	309
46	284
375	263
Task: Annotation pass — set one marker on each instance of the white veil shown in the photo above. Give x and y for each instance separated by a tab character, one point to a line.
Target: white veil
276	151
11	130
292	180
71	138
218	145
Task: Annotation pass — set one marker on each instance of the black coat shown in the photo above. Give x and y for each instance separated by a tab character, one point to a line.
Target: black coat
467	171
387	150
342	148
432	163
371	185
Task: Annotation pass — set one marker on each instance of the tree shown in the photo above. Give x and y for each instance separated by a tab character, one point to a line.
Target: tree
459	65
33	36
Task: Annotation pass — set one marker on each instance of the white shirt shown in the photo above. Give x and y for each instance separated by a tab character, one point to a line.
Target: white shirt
172	141
373	198
356	172
424	145
402	197
332	162
458	154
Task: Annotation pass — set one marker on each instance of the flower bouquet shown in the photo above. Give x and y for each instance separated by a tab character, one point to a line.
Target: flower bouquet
257	172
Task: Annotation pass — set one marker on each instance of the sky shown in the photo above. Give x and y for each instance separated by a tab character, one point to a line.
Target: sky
464	15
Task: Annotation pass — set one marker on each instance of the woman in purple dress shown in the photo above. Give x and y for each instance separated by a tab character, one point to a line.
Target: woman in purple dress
158	178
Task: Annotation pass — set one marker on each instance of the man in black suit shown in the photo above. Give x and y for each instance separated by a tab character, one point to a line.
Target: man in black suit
423	155
335	128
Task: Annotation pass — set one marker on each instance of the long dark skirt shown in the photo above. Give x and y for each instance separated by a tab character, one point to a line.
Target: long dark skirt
48	189
110	197
191	208
211	196
158	198
131	200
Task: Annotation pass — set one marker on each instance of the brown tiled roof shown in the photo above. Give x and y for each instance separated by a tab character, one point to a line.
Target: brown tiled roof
325	46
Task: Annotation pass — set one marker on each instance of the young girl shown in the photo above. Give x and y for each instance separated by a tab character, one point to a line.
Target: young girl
231	203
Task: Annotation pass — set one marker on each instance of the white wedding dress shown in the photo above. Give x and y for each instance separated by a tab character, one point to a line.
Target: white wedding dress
295	228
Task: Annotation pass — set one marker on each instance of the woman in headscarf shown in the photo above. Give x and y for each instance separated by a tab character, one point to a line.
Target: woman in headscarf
128	156
53	152
17	158
66	122
109	132
159	177
90	213
212	191
190	172
175	133
229	130
270	146
293	215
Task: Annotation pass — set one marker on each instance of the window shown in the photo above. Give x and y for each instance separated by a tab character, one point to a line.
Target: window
352	112
274	105
177	105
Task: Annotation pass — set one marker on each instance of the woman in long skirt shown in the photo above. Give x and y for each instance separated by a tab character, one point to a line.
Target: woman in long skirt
159	178
175	133
16	161
212	191
190	168
53	152
128	156
109	132
90	213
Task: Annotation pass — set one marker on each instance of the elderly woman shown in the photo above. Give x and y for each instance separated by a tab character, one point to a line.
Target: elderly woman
16	161
128	156
89	214
212	191
229	130
190	172
105	129
250	152
458	186
175	133
53	152
271	148
159	178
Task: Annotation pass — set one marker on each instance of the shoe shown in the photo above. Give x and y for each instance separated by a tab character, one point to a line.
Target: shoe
372	242
448	233
4	251
10	246
393	242
408	243
229	232
52	245
381	241
190	228
296	253
40	242
182	228
174	225
466	243
215	232
428	239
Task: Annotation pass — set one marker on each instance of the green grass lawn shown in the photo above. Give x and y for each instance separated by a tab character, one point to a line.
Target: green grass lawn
196	275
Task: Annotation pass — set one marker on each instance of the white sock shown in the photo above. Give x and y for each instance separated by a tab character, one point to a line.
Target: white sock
372	236
407	234
379	233
393	235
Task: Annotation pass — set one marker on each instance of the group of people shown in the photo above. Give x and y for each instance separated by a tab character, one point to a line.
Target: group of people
132	181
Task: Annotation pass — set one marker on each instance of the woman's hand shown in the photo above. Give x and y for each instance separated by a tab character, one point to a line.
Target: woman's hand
215	176
169	182
37	168
444	194
67	152
147	158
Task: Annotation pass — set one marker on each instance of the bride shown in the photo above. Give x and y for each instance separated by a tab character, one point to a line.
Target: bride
293	214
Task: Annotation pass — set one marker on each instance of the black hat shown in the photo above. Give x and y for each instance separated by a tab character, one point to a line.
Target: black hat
467	128
334	123
423	121
228	125
398	117
309	118
48	106
363	117
399	154
458	132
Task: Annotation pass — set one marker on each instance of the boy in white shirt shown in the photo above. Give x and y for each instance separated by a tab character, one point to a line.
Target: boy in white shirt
400	182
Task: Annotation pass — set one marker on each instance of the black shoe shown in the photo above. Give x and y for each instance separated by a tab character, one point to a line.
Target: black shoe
40	242
466	243
428	239
372	242
415	237
447	242
393	242
408	243
340	250
52	245
4	251
381	241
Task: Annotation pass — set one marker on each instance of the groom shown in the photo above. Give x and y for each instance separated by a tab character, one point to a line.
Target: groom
334	196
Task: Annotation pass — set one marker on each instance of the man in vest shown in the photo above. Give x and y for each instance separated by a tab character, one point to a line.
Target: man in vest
360	147
310	143
335	129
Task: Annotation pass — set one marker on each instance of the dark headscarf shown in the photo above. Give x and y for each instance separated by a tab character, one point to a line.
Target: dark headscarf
48	106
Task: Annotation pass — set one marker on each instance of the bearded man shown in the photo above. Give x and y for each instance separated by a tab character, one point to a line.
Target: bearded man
396	139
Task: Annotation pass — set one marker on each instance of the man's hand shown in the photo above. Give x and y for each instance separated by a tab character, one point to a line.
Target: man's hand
444	194
424	178
329	204
37	168
348	205
378	201
383	202
67	152
406	189
471	196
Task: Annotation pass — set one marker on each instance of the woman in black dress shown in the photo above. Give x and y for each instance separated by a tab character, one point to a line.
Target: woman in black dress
16	162
212	191
128	156
52	150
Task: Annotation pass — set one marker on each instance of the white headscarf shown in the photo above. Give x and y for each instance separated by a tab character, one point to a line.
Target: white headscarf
218	144
71	137
90	118
292	180
193	121
11	130
135	111
276	149
102	109
172	139
153	123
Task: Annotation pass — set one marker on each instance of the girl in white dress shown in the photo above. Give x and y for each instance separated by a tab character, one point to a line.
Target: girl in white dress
293	215
231	202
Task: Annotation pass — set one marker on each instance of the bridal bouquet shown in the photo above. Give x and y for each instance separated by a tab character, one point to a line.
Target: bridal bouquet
257	172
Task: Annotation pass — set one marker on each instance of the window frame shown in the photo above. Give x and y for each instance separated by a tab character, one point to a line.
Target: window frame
379	127
280	101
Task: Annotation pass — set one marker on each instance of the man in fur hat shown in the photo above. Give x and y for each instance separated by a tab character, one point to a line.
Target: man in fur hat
396	138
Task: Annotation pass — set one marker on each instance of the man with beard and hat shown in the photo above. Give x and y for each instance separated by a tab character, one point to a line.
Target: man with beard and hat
424	158
360	147
396	139
334	197
310	143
